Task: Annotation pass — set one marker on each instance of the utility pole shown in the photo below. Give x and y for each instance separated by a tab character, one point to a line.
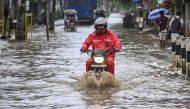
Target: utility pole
6	16
64	6
61	6
20	27
52	14
9	19
46	18
4	19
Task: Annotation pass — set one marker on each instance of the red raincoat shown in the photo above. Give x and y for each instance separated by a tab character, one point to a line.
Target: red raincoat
105	41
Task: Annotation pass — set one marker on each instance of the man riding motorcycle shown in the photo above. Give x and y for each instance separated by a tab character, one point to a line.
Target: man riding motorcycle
102	38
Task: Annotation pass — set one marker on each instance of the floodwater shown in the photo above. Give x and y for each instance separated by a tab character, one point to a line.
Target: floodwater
41	74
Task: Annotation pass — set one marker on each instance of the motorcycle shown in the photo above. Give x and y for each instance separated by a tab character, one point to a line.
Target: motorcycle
99	64
70	25
99	12
70	17
40	19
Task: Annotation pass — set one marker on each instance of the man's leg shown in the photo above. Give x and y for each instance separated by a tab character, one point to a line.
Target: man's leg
164	41
161	42
88	64
173	40
111	65
164	44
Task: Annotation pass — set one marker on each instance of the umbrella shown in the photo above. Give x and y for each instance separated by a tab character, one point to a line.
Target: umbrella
156	13
70	11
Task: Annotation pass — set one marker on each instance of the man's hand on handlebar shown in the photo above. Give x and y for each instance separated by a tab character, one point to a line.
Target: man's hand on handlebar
117	49
83	50
114	50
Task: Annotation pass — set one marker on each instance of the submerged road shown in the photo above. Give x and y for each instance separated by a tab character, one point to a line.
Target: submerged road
41	74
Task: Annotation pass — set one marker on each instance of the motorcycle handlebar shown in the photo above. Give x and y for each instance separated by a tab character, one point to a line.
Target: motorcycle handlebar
87	51
112	50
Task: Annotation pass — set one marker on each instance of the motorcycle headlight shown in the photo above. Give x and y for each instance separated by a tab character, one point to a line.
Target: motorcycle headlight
99	59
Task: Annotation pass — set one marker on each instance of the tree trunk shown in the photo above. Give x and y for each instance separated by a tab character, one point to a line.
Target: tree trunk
20	28
52	14
61	6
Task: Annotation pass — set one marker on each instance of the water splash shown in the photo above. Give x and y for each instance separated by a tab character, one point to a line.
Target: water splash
89	80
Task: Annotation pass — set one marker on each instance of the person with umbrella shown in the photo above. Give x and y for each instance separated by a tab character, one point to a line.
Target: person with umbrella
162	22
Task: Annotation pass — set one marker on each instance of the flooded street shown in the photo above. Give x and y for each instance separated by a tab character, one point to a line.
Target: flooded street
41	74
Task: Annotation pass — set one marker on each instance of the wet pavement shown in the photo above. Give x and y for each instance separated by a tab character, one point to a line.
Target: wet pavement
37	73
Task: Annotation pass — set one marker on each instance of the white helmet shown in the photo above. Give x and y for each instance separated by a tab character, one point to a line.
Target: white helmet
101	21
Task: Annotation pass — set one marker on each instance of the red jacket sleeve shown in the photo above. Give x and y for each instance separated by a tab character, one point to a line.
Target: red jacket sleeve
88	42
116	42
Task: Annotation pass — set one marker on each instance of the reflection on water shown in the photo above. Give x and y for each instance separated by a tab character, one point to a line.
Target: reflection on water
99	99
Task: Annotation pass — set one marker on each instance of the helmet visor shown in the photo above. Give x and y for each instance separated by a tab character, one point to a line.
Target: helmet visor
100	26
